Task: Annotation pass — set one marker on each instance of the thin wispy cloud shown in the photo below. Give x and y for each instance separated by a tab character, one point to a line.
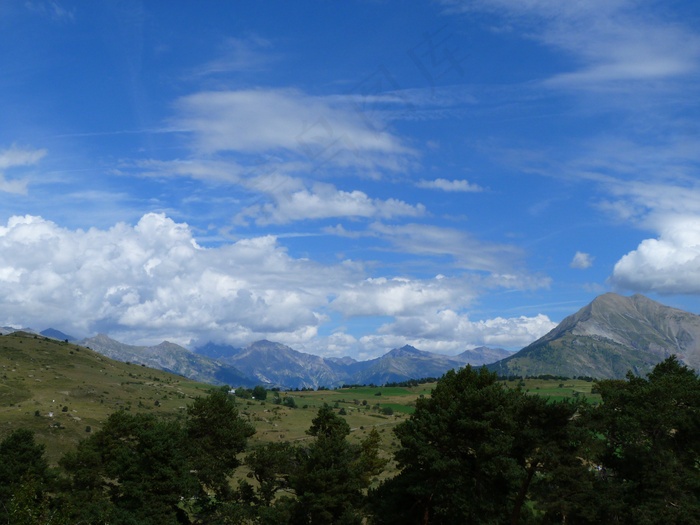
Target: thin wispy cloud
463	186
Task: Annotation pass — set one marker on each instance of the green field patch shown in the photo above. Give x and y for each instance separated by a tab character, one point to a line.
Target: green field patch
396	407
382	390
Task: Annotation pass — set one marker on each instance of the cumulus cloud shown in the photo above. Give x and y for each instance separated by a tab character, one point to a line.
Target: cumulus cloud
153	281
667	264
581	261
450	185
449	332
400	296
154	278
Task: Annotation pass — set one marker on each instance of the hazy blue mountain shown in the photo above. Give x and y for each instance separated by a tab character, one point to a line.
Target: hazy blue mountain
217	351
170	358
276	364
402	364
608	337
482	355
57	334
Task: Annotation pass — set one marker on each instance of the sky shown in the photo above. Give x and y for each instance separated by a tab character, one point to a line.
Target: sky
345	177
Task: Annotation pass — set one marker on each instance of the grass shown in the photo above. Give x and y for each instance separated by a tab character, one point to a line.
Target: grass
557	389
60	390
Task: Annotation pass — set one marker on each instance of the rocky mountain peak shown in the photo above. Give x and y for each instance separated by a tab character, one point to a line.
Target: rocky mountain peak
406	350
610	336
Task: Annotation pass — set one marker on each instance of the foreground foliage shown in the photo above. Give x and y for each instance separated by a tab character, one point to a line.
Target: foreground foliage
474	452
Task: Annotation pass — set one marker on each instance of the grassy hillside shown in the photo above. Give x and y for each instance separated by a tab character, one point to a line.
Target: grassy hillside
58	390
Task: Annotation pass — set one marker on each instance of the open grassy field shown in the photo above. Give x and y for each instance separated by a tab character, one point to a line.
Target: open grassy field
62	391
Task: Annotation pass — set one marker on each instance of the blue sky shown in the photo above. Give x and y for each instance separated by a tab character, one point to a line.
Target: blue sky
345	177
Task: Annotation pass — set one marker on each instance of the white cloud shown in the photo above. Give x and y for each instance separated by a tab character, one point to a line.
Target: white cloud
614	40
155	279
239	55
324	201
581	261
13	158
449	332
13	186
50	9
667	264
400	296
218	171
319	130
450	185
466	251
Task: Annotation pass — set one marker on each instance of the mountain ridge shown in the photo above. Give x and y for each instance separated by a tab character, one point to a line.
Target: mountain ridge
169	357
274	364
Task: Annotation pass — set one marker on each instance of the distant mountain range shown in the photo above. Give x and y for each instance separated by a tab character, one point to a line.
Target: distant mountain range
605	339
276	365
609	337
170	358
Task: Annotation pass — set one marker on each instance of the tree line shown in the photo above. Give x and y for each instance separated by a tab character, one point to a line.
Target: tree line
474	452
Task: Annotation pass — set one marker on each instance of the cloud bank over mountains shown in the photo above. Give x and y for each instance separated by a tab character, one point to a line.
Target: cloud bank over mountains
154	281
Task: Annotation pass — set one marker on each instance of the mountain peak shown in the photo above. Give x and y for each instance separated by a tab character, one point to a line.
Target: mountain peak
406	350
57	334
609	337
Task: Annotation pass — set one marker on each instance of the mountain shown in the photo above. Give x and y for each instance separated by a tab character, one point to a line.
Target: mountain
6	330
276	364
609	337
216	351
402	364
482	355
57	334
170	358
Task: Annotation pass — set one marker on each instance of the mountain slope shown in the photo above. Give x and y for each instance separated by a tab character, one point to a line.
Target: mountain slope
170	358
607	338
63	391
